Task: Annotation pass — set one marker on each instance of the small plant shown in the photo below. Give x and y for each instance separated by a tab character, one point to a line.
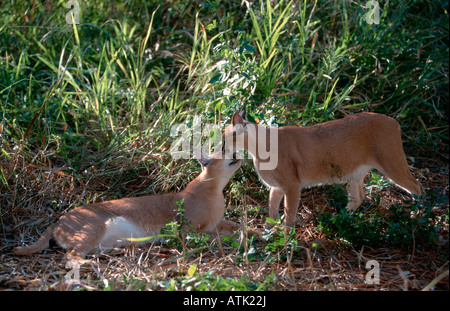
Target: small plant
280	240
377	182
416	222
181	232
338	196
175	230
195	281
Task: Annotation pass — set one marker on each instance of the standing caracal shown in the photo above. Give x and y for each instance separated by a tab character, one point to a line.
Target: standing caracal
109	224
340	151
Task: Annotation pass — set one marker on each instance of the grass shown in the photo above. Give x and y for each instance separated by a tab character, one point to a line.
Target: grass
86	112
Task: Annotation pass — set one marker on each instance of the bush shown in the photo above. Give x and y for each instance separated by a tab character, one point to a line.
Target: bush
407	224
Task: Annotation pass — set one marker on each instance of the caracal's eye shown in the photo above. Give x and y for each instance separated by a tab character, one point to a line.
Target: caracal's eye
234	160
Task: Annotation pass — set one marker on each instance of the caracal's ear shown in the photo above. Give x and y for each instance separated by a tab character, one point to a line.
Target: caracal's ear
239	125
202	158
237	119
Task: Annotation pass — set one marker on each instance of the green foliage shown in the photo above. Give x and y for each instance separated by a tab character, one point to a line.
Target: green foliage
280	240
237	74
130	70
210	281
337	196
405	225
377	181
358	228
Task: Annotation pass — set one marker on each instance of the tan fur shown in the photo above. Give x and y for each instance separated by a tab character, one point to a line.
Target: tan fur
340	151
107	225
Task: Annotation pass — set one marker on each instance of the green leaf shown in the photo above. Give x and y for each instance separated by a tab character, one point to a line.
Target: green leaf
271	221
216	78
191	270
147	238
249	48
212	25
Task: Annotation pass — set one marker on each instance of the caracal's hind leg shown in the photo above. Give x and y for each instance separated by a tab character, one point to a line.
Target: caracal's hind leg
395	167
76	254
355	189
78	241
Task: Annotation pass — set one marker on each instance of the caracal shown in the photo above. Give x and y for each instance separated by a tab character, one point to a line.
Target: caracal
109	224
340	151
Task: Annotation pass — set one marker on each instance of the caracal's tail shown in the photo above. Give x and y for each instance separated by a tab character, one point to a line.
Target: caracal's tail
41	244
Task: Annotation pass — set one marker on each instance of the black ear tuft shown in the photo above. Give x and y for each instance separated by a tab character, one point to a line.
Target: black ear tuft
243	112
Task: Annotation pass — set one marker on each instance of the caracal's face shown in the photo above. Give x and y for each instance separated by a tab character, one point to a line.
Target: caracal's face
222	165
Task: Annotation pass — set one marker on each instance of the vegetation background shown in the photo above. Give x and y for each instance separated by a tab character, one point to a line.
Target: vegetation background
86	112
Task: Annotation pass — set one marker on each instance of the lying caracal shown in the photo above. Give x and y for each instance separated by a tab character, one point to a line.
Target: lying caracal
340	151
109	224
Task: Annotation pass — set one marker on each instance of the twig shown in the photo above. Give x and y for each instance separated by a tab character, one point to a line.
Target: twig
220	243
435	281
403	274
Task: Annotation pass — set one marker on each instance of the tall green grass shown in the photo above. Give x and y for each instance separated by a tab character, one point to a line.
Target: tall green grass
312	59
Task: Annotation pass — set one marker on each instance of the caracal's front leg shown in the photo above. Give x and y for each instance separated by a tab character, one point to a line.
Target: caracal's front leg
228	228
225	228
291	201
276	194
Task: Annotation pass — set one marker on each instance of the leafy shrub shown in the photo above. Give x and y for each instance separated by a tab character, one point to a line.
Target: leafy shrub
406	224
